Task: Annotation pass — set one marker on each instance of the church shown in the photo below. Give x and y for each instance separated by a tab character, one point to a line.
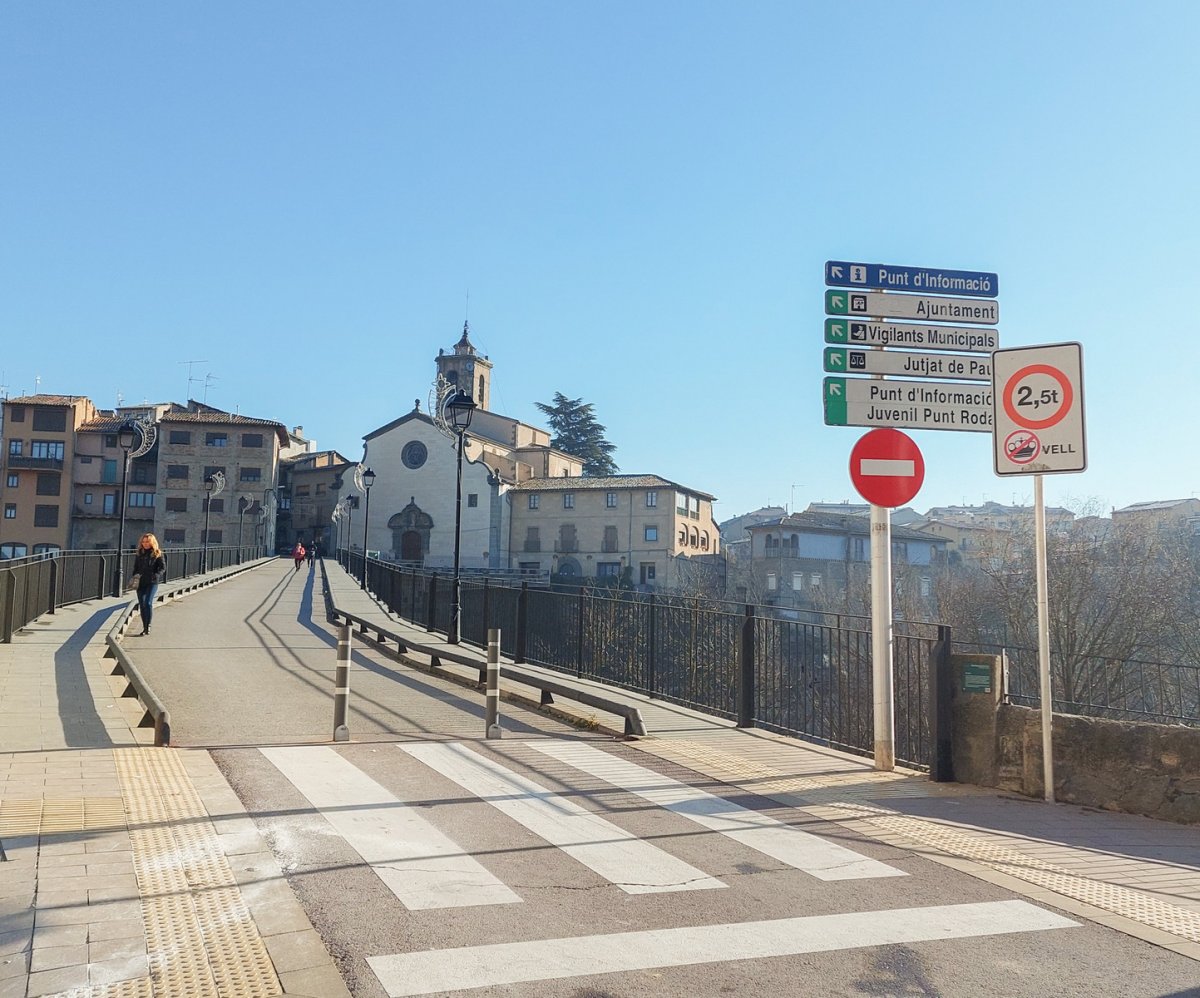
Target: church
525	505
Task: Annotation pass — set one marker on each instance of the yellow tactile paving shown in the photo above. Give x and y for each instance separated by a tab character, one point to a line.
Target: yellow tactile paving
56	815
200	937
840	797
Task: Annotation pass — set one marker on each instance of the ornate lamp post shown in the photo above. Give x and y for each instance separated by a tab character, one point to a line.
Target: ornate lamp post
458	408
244	503
126	437
368	479
213	485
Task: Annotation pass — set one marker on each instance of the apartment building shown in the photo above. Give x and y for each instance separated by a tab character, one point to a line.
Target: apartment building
639	530
40	433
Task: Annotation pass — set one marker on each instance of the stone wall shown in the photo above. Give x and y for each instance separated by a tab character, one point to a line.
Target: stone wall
1148	769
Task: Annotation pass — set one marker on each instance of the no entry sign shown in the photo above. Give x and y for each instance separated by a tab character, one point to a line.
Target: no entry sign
887	468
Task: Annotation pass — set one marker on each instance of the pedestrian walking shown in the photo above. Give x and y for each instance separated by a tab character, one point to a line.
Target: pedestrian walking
298	554
149	569
312	551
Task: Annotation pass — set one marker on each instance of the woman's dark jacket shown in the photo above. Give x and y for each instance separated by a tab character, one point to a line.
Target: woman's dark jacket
149	569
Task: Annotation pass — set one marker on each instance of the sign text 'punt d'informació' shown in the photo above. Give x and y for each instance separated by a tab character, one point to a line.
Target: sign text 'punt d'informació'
915	405
926	280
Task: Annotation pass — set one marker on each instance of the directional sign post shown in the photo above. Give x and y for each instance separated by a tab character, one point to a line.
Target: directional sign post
905	363
1039	429
860	333
926	308
916	405
929	280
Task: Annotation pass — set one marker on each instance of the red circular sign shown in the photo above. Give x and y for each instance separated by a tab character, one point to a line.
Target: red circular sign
1014	384
887	468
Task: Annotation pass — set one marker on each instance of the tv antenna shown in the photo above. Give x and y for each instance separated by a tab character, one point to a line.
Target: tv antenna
190	379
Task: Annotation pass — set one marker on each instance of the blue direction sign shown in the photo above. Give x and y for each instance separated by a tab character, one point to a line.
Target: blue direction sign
923	280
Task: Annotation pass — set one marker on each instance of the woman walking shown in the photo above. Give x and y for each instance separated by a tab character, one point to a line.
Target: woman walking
149	567
298	554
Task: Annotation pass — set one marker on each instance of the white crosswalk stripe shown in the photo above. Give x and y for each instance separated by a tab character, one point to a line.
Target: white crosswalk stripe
635	866
420	865
431	971
823	859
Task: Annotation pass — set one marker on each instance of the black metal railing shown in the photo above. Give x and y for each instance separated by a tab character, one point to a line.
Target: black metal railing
30	587
808	675
1131	689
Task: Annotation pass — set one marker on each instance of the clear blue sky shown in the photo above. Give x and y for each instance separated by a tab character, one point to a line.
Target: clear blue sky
638	198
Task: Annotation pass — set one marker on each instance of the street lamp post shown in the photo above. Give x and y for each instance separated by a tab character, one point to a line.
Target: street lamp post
368	479
126	436
244	503
213	485
268	540
459	408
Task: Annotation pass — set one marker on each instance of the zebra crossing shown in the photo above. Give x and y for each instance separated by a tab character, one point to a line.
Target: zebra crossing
424	868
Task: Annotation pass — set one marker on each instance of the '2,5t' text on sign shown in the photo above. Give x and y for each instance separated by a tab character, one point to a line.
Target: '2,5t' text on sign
1038	410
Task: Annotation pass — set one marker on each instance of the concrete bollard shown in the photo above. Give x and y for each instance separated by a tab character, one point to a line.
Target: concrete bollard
341	685
492	712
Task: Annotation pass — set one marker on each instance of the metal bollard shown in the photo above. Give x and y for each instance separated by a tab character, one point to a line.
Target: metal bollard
341	685
492	712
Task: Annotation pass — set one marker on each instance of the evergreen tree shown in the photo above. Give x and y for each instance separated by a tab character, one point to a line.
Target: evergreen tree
577	432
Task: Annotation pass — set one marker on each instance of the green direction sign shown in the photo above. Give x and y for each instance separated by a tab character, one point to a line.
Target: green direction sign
835	402
837	330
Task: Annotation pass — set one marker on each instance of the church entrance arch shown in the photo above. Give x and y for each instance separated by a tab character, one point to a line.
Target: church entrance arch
410	529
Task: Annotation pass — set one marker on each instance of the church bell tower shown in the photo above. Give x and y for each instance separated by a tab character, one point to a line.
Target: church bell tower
468	370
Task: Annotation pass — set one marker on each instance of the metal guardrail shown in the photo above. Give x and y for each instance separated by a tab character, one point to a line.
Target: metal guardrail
635	725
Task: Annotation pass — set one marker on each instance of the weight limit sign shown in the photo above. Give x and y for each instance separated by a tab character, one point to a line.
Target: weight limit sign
1037	395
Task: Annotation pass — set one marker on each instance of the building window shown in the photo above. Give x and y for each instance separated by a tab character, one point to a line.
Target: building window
533	539
608	569
814	580
176	504
16	414
10	511
110	440
250	475
216	439
14	481
45	548
861	548
52	449
567	542
704	541
13	550
212	469
535	500
414	454
681	503
568	500
648	572
87	498
216	505
45	516
49	483
926	585
772	582
174	535
320	489
610	500
530	567
682	538
182	437
177	471
143	474
609	544
797	581
650	533
651	498
108	475
301	490
16	447
141	499
210	536
899	551
50	420
110	503
472	499
252	439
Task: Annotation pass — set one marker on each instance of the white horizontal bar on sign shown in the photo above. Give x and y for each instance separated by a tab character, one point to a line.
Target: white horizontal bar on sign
620	857
887	467
421	865
800	850
498	964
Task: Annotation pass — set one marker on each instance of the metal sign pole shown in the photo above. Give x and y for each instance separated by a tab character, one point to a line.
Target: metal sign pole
1043	625
881	637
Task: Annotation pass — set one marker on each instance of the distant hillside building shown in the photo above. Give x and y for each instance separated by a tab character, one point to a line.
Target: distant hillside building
1164	514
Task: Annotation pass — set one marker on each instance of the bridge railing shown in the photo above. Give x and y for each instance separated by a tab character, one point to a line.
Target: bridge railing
30	587
807	675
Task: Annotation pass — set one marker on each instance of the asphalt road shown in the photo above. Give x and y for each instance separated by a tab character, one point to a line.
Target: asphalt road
558	863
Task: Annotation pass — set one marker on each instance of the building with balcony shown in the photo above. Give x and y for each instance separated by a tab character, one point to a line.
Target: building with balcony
39	454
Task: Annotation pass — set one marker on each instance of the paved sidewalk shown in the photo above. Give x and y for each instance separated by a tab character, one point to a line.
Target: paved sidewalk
1134	874
128	871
